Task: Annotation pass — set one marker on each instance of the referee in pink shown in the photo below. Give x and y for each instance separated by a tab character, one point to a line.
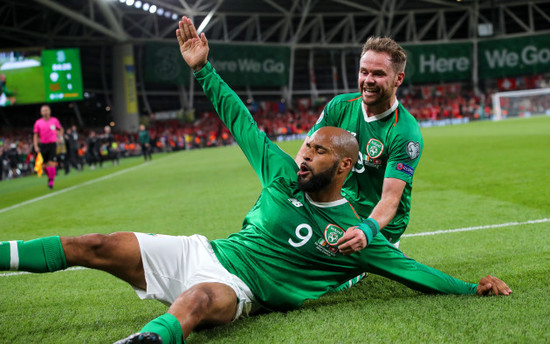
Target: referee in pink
45	131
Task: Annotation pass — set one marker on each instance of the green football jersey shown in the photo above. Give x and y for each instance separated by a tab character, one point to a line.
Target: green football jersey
285	250
390	145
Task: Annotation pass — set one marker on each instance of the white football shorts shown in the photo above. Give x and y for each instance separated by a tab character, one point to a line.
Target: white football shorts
173	264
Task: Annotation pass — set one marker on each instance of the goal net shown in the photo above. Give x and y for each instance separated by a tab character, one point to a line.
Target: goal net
524	103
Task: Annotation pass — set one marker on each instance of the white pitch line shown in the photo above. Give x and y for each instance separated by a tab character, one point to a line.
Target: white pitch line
17	273
466	229
74	187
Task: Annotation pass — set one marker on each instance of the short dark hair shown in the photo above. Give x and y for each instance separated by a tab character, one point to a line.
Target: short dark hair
397	54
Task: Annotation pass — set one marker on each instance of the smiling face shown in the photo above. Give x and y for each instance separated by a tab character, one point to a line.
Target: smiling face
378	81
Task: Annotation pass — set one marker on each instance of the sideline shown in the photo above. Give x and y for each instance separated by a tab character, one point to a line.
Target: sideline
74	187
466	229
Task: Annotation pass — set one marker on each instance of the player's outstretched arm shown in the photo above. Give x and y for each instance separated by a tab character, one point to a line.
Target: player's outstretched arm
490	285
257	147
194	49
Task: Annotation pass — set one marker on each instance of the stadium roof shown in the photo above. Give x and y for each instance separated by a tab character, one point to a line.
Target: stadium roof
319	30
53	23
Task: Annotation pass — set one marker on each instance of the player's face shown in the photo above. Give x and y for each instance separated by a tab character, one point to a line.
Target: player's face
45	111
378	81
319	164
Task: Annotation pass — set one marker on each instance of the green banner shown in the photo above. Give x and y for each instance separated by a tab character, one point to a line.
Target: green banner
239	65
438	62
514	56
164	64
251	65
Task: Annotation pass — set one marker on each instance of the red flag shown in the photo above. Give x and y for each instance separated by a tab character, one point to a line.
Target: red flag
507	84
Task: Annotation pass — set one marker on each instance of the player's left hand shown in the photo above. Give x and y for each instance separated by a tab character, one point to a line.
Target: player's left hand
354	240
491	285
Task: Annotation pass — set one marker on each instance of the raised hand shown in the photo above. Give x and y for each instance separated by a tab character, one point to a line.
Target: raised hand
194	49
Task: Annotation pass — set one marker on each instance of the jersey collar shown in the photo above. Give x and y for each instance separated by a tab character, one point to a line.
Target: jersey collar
326	204
380	115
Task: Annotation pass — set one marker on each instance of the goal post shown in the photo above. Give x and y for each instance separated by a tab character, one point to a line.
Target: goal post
522	103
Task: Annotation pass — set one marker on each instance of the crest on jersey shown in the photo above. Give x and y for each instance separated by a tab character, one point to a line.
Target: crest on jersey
413	149
374	148
333	233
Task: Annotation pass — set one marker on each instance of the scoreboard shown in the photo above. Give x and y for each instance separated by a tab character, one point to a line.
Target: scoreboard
62	75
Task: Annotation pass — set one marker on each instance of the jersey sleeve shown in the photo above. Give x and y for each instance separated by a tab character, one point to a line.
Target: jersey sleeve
388	261
406	150
266	158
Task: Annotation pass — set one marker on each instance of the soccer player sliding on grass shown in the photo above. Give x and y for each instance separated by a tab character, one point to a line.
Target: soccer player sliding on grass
292	246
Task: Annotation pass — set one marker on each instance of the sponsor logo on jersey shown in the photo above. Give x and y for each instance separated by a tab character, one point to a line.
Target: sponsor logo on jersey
333	233
413	149
374	148
372	162
404	168
325	248
295	202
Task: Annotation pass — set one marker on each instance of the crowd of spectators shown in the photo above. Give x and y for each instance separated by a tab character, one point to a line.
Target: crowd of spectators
89	146
441	103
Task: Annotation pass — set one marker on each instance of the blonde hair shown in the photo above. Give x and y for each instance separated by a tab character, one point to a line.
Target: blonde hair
397	54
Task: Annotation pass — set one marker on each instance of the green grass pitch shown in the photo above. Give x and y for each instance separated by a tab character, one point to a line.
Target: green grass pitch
477	174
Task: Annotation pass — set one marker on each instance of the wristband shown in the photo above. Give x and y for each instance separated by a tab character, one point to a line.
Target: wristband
370	227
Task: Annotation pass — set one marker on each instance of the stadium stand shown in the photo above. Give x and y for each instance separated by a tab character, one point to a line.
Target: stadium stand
323	38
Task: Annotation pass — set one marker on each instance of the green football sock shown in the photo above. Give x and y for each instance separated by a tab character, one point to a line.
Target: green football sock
38	255
167	327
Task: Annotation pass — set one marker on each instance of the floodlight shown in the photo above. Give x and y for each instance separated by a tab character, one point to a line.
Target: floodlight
153	9
485	29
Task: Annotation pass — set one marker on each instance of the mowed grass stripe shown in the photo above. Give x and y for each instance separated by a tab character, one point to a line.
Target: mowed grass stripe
74	187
